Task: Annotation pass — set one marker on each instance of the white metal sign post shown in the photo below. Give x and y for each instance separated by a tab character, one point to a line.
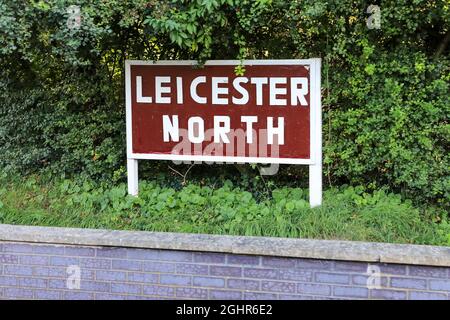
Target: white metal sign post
315	168
165	96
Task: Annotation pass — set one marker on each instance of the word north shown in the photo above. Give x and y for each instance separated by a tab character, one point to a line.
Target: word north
282	91
221	129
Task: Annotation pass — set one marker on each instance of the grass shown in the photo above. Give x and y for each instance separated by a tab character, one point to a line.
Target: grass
347	213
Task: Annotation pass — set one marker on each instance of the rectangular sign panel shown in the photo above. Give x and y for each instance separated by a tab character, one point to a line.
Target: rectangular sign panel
177	110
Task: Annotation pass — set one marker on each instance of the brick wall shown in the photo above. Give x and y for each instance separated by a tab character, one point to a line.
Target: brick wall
38	271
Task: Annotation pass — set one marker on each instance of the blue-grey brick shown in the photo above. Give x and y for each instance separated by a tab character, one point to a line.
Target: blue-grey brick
225	271
153	266
87	274
117	253
8	258
312	264
193	293
49	271
421	295
49	249
242	259
361	280
174	279
440	285
351	266
209	282
182	256
18	293
338	278
8	281
295	297
276	286
79	251
77	295
225	295
351	292
209	257
64	261
261	273
143	254
32	283
127	265
387	294
95	286
408	283
330	298
18	270
428	272
17	248
260	296
388	269
140	297
110	296
143	277
296	275
315	289
47	294
58	283
278	262
243	284
108	275
162	291
34	260
161	255
132	297
95	263
126	288
197	269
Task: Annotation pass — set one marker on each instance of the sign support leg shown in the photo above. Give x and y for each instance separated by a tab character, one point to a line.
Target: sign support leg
133	184
315	169
315	185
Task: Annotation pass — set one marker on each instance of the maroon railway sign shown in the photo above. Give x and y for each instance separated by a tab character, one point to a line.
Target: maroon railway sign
177	110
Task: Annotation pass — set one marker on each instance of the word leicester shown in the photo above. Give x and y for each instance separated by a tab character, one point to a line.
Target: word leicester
282	91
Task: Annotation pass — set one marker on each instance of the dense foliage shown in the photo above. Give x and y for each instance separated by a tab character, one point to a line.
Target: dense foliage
348	213
385	91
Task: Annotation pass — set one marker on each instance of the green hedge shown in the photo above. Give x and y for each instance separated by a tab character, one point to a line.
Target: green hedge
385	91
347	213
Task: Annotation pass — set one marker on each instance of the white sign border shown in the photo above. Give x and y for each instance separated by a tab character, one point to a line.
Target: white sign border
314	162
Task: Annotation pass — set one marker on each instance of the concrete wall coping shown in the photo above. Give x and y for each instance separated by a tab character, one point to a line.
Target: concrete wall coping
267	246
